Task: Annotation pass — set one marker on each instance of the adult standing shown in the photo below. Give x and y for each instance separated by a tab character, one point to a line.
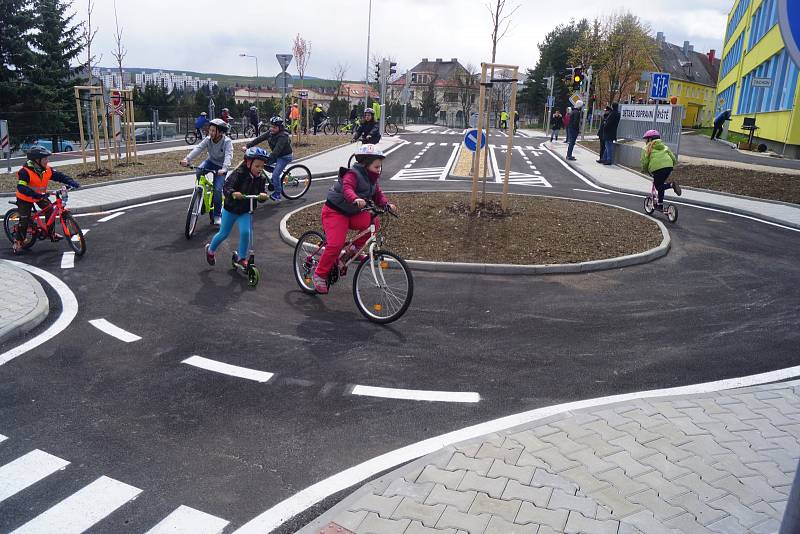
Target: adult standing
318	117
719	123
574	128
556	123
601	133
610	131
503	120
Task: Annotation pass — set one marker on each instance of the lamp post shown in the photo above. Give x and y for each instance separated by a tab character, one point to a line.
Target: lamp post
254	57
366	73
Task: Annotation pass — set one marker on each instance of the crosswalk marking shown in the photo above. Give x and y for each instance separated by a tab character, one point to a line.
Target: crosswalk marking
189	521
82	509
426	173
68	260
27	470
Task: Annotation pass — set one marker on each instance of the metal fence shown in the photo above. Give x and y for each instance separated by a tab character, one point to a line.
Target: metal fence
637	119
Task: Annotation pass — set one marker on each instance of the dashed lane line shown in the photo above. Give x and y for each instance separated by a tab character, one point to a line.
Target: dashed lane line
228	369
114	331
68	260
590	191
416	394
112	216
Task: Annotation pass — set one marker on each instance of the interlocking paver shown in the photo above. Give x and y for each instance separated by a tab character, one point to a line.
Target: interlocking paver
542	478
672	432
788	444
418	528
728	525
783	406
576	522
701	467
668	469
624	484
563	443
529	440
668	410
744	493
404	488
555	460
669	449
545	430
743	411
452	518
730	463
661	509
647	523
573	429
710	408
744	515
611	417
720	432
704	445
592	462
555	519
647	421
732	422
769	470
585	505
350	520
483	504
665	488
538	496
706	491
625	461
489	451
768	527
383	506
600	446
755	439
449	479
428	515
498	525
527	459
786	462
474	481
478	465
687	524
499	469
637	450
373	524
620	506
692	503
769	509
749	400
774	417
743	451
606	431
584	479
461	500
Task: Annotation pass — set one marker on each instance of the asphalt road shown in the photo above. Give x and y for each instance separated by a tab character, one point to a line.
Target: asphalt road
722	303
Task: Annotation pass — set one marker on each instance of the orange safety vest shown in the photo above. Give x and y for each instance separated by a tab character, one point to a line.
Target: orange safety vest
35	181
294	114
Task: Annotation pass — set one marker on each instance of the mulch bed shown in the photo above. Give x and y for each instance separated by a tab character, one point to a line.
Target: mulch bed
759	184
533	231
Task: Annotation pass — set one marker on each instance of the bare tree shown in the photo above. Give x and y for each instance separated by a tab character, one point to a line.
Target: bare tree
501	22
339	72
630	51
467	89
87	36
301	48
120	52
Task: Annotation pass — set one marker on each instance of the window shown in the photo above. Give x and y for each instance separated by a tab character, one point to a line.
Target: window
780	96
737	17
732	57
726	97
765	17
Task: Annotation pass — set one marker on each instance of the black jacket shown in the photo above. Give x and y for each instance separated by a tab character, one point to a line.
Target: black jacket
242	181
279	144
575	121
612	122
556	122
370	132
601	131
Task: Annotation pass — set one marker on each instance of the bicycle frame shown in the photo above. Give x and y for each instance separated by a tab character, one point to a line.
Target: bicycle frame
208	190
370	245
56	209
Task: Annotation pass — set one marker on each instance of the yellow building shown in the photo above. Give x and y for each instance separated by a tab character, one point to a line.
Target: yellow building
757	78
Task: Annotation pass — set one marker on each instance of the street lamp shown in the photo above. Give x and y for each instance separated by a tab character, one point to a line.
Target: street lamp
254	57
366	75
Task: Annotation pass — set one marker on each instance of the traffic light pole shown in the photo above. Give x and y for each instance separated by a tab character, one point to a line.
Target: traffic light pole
384	79
586	102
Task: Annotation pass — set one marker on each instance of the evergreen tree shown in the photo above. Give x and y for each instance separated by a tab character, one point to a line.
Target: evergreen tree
15	52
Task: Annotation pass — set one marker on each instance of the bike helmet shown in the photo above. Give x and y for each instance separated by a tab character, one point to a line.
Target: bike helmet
651	134
276	121
37	152
256	152
370	111
367	153
203	114
579	104
253	108
221	125
225	109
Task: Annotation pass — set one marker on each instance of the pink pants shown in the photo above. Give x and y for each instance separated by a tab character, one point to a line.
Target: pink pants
336	225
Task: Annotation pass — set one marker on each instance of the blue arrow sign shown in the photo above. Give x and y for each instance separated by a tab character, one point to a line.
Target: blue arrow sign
659	86
550	101
789	20
471	140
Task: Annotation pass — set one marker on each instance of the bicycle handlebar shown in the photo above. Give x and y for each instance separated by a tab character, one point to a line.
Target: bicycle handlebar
377	210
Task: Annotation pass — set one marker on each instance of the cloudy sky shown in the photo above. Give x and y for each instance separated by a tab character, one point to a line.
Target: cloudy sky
208	35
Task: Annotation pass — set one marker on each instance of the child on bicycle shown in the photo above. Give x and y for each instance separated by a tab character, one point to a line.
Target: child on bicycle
32	180
246	179
369	131
658	161
280	154
342	209
220	153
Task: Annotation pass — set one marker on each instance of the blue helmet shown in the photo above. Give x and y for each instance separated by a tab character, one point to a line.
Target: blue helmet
256	152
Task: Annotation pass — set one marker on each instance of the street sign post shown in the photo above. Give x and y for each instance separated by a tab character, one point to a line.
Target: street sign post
761	82
471	140
5	143
283	83
284	60
659	86
551	101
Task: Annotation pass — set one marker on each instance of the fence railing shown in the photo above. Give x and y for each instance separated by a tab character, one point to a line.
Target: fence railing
638	118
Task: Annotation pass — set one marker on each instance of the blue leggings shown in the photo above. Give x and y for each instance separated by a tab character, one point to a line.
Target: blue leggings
228	219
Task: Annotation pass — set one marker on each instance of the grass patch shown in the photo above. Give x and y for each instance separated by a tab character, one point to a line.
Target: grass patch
758	184
733	137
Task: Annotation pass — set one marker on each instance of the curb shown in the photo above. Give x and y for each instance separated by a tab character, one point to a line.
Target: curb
33	318
681	200
511	269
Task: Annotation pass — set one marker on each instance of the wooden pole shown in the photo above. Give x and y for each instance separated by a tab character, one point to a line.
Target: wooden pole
80	123
133	130
512	107
95	130
104	116
488	129
476	169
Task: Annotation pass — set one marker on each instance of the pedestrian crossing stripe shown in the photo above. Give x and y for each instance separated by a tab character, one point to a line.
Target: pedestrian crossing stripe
426	173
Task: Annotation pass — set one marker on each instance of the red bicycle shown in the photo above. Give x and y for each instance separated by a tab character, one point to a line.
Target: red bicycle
43	224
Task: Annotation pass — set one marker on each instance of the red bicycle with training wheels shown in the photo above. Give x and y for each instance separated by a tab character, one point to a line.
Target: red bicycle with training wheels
43	223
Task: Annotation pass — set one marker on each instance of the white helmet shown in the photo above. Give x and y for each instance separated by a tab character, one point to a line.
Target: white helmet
365	152
579	104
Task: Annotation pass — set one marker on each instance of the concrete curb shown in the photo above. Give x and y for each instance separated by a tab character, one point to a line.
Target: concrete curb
510	269
33	318
681	200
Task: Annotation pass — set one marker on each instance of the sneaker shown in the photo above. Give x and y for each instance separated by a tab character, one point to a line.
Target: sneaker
570	158
210	256
275	197
217	221
659	207
16	247
320	284
601	161
676	188
55	236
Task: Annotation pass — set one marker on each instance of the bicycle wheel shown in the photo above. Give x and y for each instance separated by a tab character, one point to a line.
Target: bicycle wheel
193	212
10	222
649	207
672	213
343	129
351	161
307	252
391	128
190	138
233	132
73	234
329	129
383	288
250	131
296	180
264	129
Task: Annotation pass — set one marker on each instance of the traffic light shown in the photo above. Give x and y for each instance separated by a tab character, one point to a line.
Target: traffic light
569	79
377	72
577	78
392	69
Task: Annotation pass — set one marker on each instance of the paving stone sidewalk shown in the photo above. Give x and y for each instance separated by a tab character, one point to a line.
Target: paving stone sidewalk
23	302
709	463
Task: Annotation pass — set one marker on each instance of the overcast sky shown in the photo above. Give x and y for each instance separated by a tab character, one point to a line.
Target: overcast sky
208	35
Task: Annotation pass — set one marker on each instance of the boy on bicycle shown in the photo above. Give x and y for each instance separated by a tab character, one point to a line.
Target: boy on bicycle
201	122
342	209
658	160
369	131
280	154
220	153
246	179
32	180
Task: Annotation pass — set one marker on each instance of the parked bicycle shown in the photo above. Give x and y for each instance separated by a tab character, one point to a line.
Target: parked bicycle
382	285
327	126
650	203
43	223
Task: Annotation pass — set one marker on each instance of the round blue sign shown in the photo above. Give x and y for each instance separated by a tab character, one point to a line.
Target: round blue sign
471	140
789	20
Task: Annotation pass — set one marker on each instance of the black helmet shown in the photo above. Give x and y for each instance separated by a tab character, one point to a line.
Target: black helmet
221	125
276	121
37	152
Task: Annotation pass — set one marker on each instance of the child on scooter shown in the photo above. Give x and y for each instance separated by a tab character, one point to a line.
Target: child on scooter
658	161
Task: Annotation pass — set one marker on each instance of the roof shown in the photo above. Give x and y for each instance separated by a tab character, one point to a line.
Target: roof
444	71
691	67
356	90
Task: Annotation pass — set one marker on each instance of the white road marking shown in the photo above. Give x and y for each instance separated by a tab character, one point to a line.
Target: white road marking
590	191
418	143
228	369
114	331
416	394
288	508
185	520
443	144
112	216
446	170
69	309
426	172
26	471
149	203
78	512
76	237
68	260
3	438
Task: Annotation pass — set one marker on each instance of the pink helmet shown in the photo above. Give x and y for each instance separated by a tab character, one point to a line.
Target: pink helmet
651	134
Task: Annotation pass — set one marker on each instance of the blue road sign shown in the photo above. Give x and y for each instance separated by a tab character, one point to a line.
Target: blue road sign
659	86
471	140
550	101
789	20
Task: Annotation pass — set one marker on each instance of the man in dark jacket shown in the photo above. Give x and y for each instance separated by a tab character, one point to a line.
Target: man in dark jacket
601	134
610	134
719	123
574	128
317	117
280	154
